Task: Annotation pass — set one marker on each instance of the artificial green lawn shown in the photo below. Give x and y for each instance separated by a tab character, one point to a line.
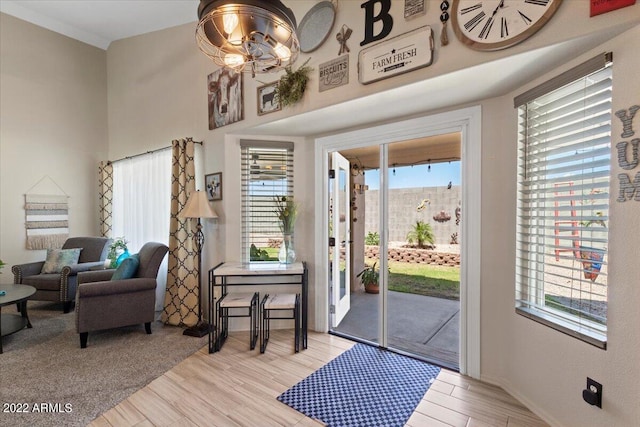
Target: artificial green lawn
424	279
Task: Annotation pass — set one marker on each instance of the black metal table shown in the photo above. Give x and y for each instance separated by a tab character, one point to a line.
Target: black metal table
10	323
255	274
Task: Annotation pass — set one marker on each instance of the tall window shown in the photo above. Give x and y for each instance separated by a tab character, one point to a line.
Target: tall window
563	201
142	205
267	172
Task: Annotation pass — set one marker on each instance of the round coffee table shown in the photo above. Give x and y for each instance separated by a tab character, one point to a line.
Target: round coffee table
10	323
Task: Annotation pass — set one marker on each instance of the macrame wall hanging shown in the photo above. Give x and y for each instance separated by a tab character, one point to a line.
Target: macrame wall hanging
46	217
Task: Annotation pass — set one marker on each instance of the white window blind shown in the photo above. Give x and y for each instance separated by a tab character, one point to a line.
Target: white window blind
563	202
267	172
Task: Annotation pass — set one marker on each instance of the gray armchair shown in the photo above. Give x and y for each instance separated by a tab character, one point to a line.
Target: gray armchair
102	303
61	287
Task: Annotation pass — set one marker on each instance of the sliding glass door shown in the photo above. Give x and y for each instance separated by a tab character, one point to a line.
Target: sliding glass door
404	200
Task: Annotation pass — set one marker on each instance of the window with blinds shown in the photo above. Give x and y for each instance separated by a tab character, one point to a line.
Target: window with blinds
564	162
267	172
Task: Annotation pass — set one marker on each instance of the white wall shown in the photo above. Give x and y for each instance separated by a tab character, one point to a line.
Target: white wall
544	368
53	94
157	92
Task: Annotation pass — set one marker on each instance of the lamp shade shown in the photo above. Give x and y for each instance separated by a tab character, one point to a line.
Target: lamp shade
198	207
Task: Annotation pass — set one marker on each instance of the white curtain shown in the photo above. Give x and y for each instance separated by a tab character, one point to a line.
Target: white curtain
142	205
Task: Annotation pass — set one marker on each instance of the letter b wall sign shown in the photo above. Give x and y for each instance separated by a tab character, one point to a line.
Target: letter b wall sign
397	55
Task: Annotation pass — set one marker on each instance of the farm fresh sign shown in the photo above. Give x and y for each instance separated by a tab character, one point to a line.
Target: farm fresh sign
406	52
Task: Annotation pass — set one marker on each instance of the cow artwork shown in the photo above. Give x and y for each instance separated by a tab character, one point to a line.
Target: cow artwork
225	98
267	99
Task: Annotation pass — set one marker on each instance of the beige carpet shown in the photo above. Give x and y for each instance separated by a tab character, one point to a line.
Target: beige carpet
45	368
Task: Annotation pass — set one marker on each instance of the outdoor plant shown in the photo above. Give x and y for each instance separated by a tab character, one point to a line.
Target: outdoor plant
592	257
256	254
370	277
454	238
598	214
421	234
372	238
290	88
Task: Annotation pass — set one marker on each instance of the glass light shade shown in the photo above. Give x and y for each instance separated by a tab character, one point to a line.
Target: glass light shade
233	60
230	21
282	51
262	32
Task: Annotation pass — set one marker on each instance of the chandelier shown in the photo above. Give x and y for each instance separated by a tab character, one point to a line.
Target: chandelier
257	36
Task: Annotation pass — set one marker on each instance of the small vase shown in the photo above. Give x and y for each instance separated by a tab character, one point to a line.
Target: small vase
287	253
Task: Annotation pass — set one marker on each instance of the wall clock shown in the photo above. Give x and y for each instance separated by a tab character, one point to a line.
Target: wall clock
499	24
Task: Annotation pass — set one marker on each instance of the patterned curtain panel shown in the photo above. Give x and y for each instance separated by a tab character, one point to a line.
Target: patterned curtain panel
47	221
105	191
182	296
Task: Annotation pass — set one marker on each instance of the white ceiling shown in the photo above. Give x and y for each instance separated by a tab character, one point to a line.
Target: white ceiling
99	22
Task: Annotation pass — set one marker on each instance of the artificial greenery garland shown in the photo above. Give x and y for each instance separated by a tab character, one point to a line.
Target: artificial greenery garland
290	88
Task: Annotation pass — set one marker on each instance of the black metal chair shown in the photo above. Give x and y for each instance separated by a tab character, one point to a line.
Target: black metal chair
237	302
278	303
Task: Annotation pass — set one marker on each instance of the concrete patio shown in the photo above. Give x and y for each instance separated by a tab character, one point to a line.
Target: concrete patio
424	326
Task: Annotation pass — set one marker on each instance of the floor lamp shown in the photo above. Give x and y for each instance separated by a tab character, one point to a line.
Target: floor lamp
198	207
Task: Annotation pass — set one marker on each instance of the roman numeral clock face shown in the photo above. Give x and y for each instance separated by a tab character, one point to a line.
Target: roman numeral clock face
498	24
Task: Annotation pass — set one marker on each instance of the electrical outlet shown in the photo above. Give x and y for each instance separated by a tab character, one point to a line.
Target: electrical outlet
593	393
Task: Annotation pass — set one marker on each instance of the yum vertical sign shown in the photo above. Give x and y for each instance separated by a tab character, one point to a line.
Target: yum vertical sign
398	55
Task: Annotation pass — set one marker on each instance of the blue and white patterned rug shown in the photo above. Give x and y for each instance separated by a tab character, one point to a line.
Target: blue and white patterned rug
364	386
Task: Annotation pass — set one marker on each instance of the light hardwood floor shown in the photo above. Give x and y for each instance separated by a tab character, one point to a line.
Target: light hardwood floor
238	387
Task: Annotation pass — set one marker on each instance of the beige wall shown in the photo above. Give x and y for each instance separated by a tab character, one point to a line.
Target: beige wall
54	111
544	368
157	92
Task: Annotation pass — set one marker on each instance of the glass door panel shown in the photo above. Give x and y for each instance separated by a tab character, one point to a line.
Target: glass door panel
422	287
340	232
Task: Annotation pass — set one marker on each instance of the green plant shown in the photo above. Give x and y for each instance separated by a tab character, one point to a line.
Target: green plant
595	221
372	238
256	254
598	214
454	239
440	281
2	264
422	233
370	275
118	244
287	212
290	88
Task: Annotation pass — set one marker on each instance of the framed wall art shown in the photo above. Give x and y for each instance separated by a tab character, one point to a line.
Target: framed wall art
213	185
225	100
267	99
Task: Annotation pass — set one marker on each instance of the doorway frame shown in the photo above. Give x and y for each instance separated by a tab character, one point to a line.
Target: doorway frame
467	121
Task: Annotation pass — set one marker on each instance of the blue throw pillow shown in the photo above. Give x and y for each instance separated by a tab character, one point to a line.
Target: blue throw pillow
127	269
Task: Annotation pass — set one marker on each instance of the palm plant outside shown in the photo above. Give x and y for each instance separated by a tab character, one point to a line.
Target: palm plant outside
422	233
